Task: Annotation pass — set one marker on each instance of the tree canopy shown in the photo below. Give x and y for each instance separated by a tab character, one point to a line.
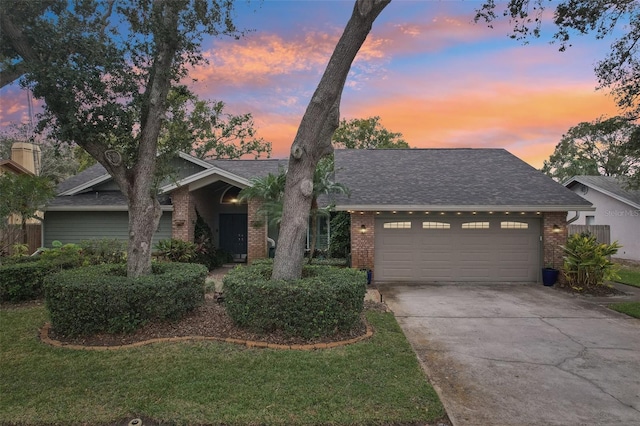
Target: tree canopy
366	133
105	70
601	147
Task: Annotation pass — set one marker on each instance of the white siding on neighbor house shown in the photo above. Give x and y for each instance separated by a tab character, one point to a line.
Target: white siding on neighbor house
623	219
73	227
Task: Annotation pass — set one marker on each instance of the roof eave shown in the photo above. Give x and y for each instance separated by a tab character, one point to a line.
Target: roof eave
604	191
463	208
111	208
194	178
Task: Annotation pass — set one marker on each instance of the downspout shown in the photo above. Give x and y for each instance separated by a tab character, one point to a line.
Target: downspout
573	219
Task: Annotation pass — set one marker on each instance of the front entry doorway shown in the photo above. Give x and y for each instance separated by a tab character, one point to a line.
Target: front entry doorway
233	235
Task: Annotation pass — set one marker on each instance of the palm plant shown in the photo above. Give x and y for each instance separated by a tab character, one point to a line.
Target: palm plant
323	184
269	189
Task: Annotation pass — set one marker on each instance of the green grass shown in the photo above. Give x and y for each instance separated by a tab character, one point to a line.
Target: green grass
629	275
629	308
377	381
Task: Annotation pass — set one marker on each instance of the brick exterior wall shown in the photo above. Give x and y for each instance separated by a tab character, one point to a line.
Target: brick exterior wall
184	214
256	233
362	244
552	253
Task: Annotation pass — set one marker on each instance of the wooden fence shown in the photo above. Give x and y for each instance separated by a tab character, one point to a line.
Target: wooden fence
12	234
602	232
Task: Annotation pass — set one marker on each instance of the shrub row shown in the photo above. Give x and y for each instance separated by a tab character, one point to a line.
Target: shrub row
326	300
23	278
101	298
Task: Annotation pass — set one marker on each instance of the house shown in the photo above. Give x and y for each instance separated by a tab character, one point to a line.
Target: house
452	215
90	205
417	214
616	206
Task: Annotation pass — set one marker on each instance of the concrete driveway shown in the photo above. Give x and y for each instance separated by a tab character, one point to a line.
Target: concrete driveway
522	354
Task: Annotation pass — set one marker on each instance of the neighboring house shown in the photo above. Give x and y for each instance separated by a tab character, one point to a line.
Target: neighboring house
416	214
452	215
25	160
615	206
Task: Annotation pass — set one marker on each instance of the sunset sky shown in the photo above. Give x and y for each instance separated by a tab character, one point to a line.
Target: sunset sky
426	69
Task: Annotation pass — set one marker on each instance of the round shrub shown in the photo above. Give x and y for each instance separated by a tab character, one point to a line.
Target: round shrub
101	298
325	301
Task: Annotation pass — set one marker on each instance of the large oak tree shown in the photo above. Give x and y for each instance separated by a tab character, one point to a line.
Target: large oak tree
313	139
105	69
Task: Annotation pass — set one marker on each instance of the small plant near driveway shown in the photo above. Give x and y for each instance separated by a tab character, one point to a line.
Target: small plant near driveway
587	263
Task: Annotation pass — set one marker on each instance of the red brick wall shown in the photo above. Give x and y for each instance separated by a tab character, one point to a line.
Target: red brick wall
184	214
552	253
257	232
362	244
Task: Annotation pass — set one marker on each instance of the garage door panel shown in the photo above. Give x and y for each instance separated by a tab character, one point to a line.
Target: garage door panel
457	254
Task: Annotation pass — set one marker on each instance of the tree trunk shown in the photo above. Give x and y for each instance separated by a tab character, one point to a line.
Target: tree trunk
313	140
314	229
144	217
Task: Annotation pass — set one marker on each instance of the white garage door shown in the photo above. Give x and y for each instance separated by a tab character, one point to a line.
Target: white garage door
471	249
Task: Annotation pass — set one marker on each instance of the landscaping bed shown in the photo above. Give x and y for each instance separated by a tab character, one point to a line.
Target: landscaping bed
208	320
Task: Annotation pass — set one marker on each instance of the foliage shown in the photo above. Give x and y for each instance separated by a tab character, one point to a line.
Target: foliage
22	281
619	71
57	162
173	250
205	251
203	128
340	244
23	195
270	190
105	70
366	133
374	382
101	298
586	262
23	278
323	184
630	308
597	148
104	250
327	300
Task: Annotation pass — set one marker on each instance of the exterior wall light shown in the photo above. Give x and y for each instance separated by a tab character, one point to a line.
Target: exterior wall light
363	229
556	229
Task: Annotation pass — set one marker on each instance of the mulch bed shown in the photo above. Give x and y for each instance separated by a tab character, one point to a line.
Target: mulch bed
209	320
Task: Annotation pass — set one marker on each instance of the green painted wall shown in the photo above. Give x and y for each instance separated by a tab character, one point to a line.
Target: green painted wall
73	227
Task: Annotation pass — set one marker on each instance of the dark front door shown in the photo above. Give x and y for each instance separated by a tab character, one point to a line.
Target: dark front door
233	234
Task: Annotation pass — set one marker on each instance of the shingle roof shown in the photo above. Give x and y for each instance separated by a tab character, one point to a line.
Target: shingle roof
87	175
95	199
446	178
251	168
611	185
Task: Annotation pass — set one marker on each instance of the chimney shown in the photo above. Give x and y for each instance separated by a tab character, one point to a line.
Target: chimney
27	155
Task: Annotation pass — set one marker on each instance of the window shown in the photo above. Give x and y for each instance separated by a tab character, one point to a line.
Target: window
590	220
436	225
230	196
514	225
475	225
397	225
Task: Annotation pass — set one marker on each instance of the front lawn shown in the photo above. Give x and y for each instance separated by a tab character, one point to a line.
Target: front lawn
377	381
629	308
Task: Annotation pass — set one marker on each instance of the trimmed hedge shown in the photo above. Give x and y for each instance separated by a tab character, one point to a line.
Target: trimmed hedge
101	298
23	278
326	300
